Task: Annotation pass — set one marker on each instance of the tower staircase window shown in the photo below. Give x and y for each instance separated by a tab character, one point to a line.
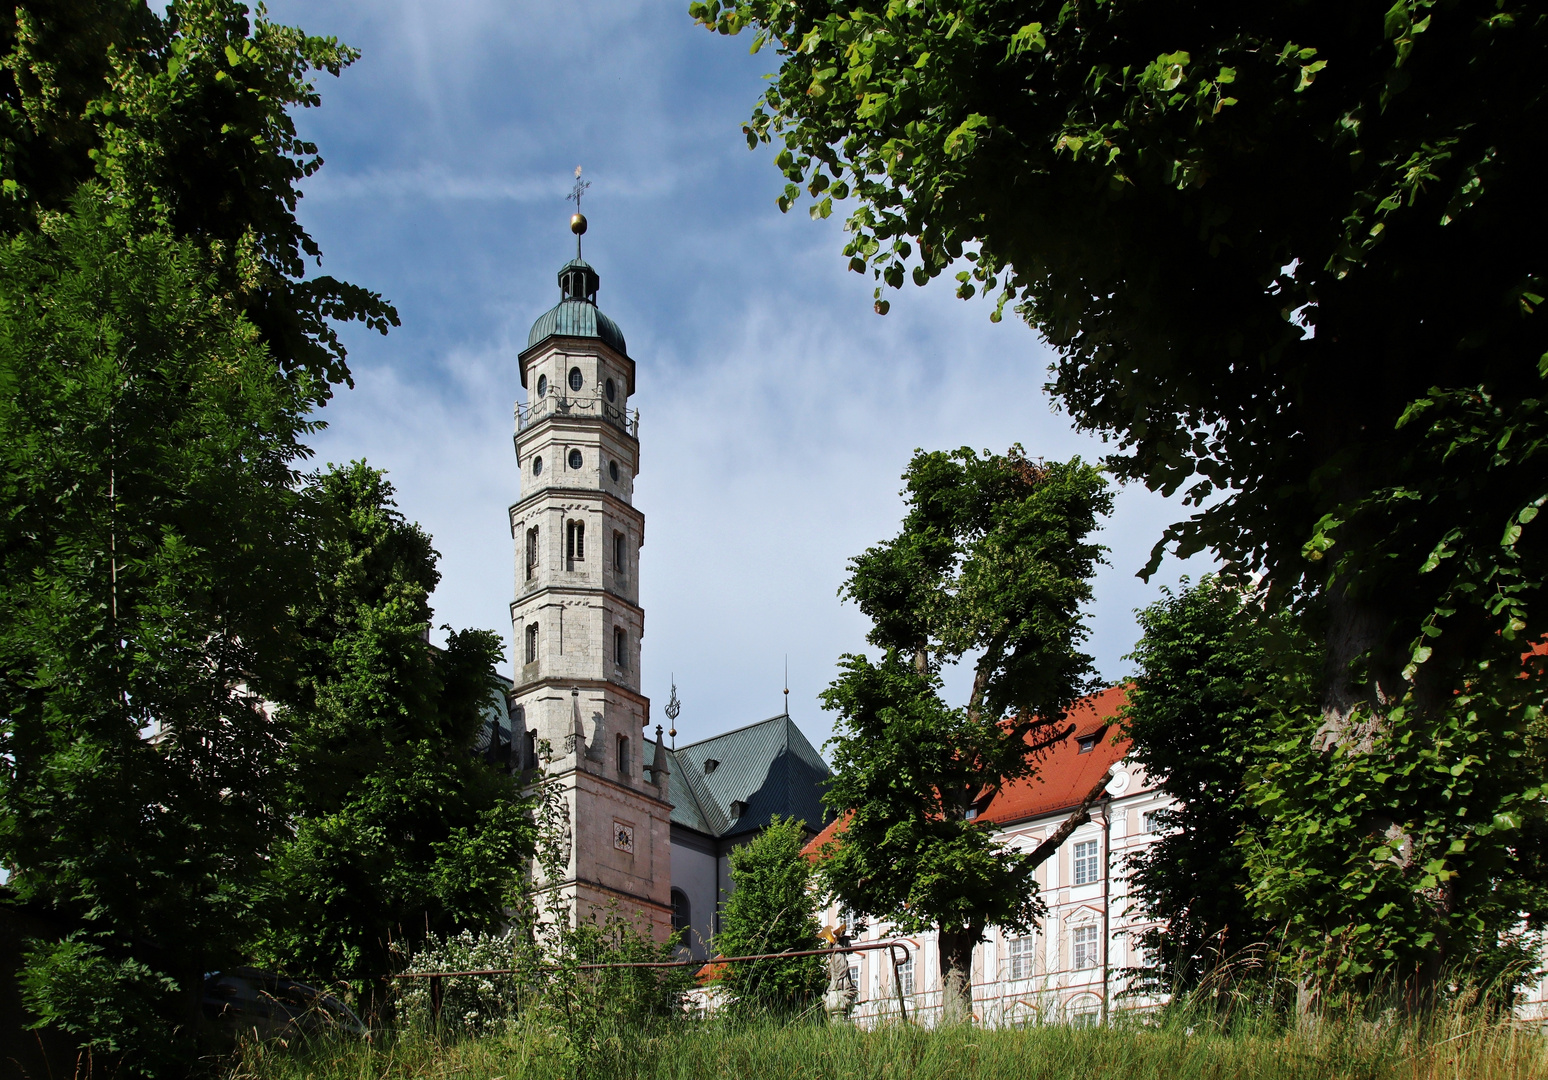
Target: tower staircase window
575	543
620	647
532	643
532	552
619	559
623	755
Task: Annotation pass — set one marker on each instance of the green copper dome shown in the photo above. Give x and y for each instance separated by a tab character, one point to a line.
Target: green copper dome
576	314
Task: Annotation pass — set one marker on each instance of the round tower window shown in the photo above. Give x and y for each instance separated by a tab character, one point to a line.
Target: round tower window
537	466
542	386
612	470
575	378
575	459
612	391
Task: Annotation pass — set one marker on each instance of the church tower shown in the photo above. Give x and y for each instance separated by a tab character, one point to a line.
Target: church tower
576	618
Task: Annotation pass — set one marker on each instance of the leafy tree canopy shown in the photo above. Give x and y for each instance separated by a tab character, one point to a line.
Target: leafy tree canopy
772	908
1289	256
399	830
153	525
1215	670
185	117
994	563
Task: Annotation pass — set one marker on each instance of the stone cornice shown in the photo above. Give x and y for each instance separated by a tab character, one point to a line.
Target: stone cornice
555	489
566	684
576	590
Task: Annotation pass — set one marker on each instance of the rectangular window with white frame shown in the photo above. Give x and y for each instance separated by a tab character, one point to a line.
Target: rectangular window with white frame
1084	939
1151	821
1019	952
1088	863
905	974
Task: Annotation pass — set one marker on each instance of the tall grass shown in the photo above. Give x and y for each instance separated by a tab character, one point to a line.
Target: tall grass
1459	1043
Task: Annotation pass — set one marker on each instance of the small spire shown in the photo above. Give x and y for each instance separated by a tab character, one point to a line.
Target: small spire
787	684
674	707
578	219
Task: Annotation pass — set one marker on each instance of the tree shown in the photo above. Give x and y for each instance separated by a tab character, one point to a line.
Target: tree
186	119
1215	670
153	525
994	561
772	908
1288	255
397	829
160	352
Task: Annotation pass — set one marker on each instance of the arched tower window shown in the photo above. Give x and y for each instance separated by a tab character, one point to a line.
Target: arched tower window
623	755
620	558
575	543
620	647
532	552
682	911
532	643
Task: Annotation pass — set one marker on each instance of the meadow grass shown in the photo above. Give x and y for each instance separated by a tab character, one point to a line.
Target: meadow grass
1455	1045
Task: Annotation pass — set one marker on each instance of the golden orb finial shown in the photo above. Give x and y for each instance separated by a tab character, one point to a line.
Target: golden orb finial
577	223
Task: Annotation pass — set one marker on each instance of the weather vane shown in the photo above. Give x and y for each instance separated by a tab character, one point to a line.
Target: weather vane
578	219
673	708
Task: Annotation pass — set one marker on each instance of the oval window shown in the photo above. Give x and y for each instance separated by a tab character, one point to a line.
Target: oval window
575	459
575	378
612	391
542	386
612	470
537	466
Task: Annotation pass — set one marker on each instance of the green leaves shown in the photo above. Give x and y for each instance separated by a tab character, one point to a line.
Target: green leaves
398	829
772	908
154	542
994	557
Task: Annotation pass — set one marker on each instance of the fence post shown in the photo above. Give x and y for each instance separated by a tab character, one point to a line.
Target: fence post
436	996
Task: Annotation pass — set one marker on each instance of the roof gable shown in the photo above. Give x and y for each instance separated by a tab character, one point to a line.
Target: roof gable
761	770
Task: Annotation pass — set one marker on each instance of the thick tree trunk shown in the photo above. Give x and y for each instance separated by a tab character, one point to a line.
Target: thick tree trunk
957	973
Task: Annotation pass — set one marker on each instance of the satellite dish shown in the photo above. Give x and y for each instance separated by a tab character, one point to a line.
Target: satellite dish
1118	784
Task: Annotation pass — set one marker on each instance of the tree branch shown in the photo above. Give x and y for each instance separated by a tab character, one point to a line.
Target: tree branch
1078	817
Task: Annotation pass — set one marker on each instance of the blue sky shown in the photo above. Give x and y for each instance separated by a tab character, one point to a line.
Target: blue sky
777	410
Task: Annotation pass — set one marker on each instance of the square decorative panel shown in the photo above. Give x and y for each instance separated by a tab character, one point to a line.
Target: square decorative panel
623	837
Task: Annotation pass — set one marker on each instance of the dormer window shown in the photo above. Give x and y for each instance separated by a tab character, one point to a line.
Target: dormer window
1087	743
738	808
710	765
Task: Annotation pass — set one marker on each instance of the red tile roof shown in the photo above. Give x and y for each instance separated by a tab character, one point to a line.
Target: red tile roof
1064	776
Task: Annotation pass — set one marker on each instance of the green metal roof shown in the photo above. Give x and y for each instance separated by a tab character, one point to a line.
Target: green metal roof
770	766
577	314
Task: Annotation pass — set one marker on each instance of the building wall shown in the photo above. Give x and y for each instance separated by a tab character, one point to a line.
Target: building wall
1048	984
695	870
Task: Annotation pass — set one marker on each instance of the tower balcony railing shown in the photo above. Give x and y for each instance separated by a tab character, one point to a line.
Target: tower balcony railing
594	407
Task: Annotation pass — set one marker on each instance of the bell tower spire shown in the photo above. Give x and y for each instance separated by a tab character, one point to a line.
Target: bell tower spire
576	615
578	219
